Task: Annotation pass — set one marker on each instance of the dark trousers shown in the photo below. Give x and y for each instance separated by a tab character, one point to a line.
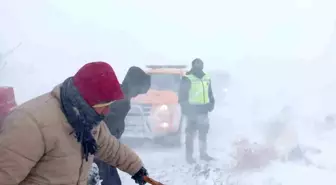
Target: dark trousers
108	174
197	123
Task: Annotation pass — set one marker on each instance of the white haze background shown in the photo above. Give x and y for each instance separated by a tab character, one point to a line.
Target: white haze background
279	52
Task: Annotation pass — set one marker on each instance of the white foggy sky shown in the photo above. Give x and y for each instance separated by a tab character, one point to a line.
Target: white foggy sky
181	30
58	36
227	29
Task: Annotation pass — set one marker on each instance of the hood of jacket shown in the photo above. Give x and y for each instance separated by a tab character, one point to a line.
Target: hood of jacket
136	82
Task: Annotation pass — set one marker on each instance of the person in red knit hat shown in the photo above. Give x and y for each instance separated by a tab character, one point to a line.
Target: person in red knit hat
52	139
97	83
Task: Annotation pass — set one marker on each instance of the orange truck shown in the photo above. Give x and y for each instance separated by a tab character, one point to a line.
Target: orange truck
157	115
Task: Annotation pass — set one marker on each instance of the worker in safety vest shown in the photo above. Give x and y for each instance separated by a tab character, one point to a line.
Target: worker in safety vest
196	100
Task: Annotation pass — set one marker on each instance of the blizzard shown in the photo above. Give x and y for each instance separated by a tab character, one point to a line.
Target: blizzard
278	53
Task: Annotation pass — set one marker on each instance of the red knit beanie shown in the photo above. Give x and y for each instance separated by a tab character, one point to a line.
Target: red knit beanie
97	83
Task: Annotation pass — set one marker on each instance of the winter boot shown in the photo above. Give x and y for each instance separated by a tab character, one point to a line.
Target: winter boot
206	157
203	152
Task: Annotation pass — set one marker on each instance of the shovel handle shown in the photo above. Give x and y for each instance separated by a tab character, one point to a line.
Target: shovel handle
151	181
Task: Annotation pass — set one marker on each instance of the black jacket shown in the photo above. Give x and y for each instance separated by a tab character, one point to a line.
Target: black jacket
187	108
115	120
135	82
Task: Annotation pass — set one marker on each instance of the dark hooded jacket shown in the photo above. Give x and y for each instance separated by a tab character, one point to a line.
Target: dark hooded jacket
135	82
187	108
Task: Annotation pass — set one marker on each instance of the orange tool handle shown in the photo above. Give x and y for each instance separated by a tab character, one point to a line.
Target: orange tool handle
152	181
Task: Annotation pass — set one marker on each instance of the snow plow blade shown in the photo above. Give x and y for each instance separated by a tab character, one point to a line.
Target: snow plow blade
152	181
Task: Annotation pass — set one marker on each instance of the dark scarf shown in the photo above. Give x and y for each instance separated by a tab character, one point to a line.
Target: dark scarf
80	116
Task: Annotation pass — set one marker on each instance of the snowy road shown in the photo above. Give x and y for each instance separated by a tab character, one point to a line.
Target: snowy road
169	166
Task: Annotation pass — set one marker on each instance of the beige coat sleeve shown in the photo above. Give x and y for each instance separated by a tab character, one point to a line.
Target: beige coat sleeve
21	146
116	154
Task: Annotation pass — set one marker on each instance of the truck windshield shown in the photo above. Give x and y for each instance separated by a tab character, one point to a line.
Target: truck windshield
164	82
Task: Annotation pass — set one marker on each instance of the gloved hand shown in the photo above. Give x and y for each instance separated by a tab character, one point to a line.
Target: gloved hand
139	176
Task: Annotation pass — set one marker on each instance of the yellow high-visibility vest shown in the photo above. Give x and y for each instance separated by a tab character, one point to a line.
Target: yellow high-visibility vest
199	90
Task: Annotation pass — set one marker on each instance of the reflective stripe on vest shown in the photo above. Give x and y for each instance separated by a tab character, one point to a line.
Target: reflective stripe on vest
199	90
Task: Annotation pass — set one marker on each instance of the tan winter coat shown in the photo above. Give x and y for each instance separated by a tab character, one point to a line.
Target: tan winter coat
36	147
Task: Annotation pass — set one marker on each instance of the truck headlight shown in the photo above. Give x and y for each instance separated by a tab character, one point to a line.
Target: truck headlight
163	107
164	124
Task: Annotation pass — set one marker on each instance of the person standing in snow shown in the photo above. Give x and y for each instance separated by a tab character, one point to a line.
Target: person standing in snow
196	100
135	82
52	139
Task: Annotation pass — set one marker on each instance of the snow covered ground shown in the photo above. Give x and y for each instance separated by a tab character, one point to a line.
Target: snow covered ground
169	166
